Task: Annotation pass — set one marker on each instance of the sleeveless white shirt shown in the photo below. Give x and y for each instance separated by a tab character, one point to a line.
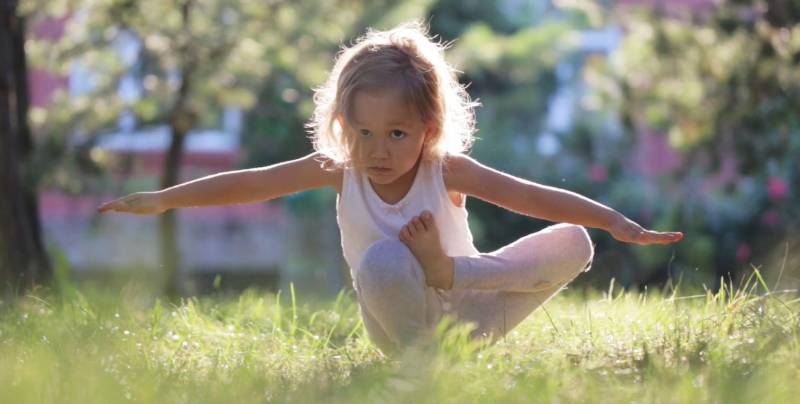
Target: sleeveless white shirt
364	218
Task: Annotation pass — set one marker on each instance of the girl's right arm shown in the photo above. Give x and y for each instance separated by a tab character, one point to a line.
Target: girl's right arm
233	187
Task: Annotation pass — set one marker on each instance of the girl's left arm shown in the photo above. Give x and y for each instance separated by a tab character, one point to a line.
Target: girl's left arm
466	175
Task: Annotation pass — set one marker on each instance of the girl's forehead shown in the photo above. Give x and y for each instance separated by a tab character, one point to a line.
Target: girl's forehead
387	106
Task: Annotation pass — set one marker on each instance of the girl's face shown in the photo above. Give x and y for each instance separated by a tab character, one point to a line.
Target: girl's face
389	136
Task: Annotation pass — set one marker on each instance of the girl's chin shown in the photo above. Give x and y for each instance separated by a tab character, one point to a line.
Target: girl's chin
380	179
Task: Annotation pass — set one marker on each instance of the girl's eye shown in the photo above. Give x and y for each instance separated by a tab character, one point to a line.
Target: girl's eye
398	134
365	133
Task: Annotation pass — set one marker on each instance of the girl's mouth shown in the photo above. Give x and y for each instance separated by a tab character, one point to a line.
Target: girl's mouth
379	170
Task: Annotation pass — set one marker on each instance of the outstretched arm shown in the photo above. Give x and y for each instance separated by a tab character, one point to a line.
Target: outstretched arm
465	175
232	187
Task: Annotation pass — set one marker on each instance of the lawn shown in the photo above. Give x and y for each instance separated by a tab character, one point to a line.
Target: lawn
83	346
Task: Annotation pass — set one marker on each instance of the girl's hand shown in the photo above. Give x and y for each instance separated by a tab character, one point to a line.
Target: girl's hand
626	230
140	203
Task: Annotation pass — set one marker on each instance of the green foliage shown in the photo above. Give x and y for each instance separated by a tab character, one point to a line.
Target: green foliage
742	70
194	58
730	346
451	18
508	57
722	83
723	88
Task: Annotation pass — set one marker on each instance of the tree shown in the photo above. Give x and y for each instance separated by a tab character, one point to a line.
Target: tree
23	261
196	57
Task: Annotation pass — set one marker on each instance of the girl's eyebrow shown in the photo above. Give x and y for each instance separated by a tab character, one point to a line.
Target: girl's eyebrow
398	124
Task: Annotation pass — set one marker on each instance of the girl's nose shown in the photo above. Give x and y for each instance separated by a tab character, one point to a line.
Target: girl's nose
380	149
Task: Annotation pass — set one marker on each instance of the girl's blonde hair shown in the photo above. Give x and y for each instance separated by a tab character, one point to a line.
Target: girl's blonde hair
406	58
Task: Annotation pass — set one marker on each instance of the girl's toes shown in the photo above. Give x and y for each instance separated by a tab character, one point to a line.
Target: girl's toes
409	230
417	224
427	220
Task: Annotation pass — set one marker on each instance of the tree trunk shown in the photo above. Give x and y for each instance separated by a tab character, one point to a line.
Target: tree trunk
170	248
23	261
181	120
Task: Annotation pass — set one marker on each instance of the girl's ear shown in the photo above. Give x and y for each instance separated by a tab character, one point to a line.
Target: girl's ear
430	131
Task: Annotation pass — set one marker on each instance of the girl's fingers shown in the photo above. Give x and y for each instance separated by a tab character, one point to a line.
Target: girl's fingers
107	206
654	237
669	236
140	203
117	205
631	232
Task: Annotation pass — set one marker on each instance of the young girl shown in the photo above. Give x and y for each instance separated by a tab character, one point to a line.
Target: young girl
390	130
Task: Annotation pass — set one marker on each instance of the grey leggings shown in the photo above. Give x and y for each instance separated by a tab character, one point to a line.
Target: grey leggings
495	291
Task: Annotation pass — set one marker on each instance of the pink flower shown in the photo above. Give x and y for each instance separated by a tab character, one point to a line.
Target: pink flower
777	188
770	218
654	155
743	252
598	173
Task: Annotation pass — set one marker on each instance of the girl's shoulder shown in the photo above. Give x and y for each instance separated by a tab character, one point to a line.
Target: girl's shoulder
454	168
455	174
331	173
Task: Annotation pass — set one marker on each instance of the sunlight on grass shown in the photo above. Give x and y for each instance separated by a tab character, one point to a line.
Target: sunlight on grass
737	345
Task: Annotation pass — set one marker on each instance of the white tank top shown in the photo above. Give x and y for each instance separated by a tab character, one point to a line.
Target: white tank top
364	218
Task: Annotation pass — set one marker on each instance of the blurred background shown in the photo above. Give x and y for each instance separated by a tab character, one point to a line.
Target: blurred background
681	114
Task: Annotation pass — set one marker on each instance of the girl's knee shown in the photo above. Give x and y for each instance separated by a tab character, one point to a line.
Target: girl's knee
577	244
386	264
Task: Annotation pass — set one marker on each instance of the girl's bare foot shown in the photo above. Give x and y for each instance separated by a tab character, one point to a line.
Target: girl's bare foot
422	238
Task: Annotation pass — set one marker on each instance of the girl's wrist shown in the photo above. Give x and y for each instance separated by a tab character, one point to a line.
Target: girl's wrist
162	200
611	218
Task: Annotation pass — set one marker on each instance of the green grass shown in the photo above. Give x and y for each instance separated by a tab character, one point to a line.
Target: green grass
737	345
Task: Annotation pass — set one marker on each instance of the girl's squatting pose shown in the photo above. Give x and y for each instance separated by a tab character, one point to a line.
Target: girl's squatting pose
390	132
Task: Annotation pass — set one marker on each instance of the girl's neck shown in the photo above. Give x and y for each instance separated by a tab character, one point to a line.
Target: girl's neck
395	191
